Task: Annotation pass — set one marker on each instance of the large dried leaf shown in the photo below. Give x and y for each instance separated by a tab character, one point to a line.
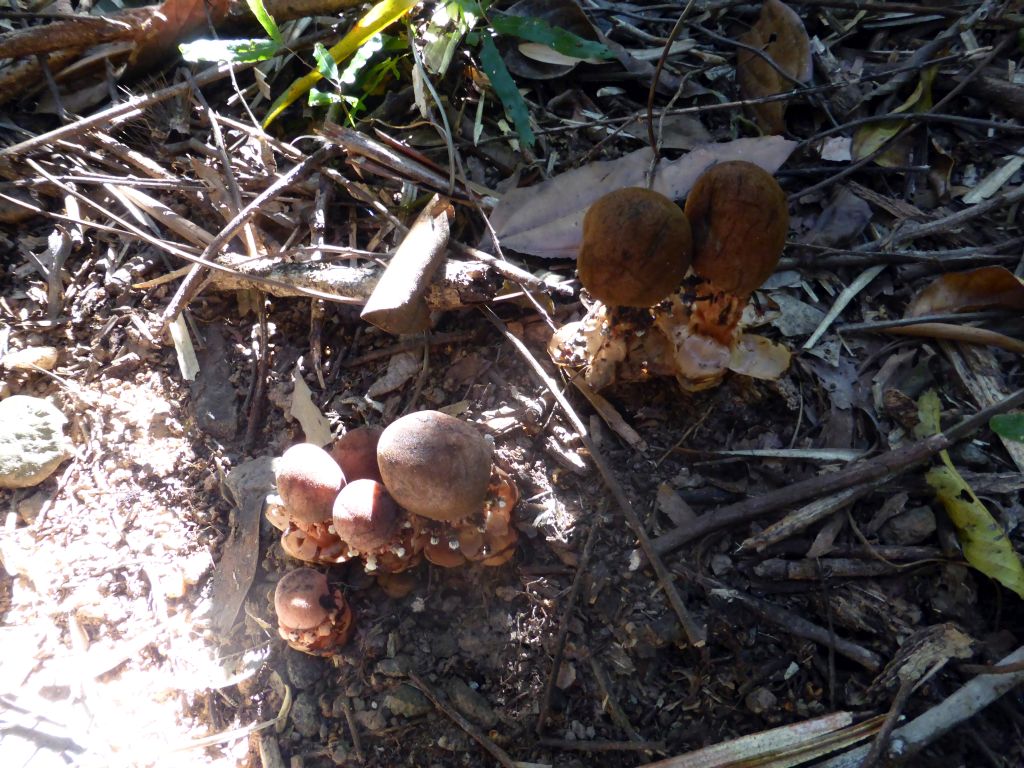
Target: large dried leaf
971	290
546	219
779	33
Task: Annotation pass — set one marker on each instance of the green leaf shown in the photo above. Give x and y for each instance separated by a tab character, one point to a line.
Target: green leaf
266	20
325	65
361	56
983	540
238	51
318	98
539	31
506	90
377	18
1009	426
928	412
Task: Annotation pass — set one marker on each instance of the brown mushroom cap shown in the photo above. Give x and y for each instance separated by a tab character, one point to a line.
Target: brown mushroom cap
356	453
301	599
636	247
435	465
365	515
308	480
740	218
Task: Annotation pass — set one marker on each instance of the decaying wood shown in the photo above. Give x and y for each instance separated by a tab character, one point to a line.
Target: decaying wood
458	285
397	303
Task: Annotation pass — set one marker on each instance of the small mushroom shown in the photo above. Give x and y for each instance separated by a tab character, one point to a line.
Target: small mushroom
308	481
439	468
356	453
312	617
636	248
371	525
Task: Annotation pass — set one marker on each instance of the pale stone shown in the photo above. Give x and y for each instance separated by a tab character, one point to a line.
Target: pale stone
31	357
32	441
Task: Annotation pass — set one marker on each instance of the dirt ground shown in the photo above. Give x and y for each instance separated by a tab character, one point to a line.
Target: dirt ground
136	598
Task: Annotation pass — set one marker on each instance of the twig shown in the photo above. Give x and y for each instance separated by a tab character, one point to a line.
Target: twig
475	733
791	622
925	729
123	111
962	333
891	462
609	703
190	285
353	729
695	633
603	746
563	627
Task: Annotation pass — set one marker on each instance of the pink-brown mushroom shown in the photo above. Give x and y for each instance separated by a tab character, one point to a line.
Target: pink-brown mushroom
356	453
373	527
308	481
440	469
312	617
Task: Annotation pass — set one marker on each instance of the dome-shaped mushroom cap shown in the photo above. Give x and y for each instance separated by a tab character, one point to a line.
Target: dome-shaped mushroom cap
635	248
308	480
300	599
365	515
435	465
740	218
356	453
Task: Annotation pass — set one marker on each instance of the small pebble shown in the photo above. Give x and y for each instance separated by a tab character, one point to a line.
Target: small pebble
760	700
31	357
303	670
471	703
407	701
306	714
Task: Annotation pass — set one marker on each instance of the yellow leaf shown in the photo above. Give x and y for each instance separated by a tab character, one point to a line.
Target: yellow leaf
377	18
984	542
872	137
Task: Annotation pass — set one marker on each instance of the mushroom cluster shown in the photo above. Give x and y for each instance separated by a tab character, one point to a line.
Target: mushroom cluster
425	486
672	284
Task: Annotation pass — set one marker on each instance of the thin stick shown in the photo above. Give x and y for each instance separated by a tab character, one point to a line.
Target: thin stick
603	746
190	285
890	462
475	733
563	626
695	633
791	622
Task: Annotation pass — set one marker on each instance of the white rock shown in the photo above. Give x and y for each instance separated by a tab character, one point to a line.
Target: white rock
31	357
32	441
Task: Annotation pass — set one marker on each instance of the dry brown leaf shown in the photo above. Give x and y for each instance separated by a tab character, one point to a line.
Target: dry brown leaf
780	34
971	290
546	219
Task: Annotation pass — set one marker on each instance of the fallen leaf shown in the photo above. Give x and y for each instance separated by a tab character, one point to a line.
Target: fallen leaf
970	290
315	426
1009	426
983	540
779	33
759	358
870	138
546	219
